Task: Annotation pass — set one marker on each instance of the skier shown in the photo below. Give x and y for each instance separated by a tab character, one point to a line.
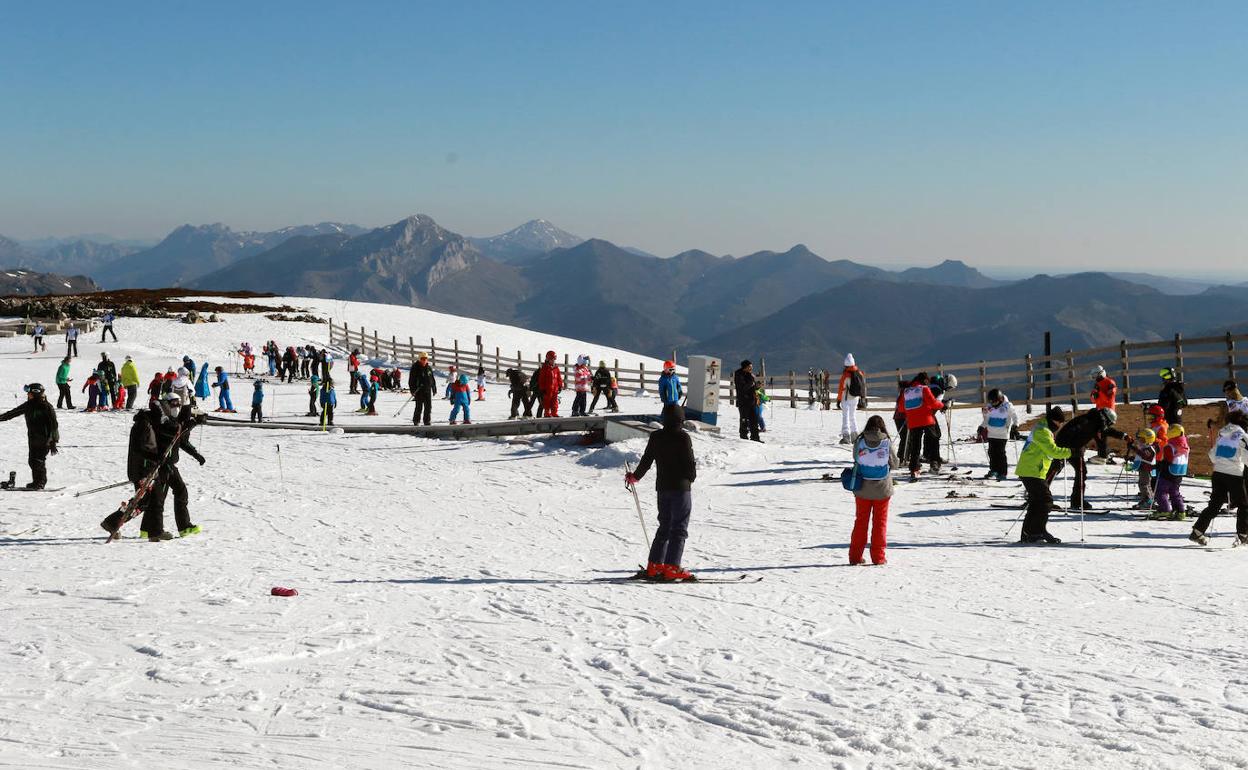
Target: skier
519	393
224	402
108	326
480	383
452	374
130	381
173	434
353	370
92	388
875	460
314	391
671	451
183	386
761	400
361	381
65	396
257	401
1142	454
374	382
670	391
290	362
154	389
746	387
535	391
1170	473
141	459
188	363
550	382
329	400
461	397
71	341
422	384
1034	471
108	380
1173	396
202	390
1229	455
270	353
42	433
1075	435
899	418
851	393
581	380
305	362
249	365
1104	396
38	335
999	424
921	437
602	384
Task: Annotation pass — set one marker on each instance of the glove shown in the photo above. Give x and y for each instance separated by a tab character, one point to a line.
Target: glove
862	402
200	459
630	480
981	435
838	404
52	448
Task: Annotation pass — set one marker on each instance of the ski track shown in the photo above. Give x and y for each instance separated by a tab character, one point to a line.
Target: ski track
446	616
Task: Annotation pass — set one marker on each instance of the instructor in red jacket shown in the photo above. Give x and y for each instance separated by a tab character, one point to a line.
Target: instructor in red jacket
1104	396
921	409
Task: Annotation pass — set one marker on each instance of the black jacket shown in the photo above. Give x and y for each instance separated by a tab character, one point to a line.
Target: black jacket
41	426
421	380
519	387
1173	398
142	454
746	385
109	370
670	449
602	379
179	429
1081	430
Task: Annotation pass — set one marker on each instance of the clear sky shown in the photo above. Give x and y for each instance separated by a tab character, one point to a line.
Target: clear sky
1065	135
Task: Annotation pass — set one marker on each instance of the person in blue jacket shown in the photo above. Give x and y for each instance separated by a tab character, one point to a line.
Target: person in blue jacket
224	402
461	396
670	391
329	400
202	391
362	380
189	363
257	402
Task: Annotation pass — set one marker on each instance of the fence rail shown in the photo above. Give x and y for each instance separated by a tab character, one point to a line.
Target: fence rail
1054	379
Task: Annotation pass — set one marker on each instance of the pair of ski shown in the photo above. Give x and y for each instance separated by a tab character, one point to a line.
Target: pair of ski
640	578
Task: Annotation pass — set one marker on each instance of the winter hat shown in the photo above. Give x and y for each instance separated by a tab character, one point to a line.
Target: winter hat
259	384
463	379
550	355
603	364
1096	372
1174	431
849	360
128	358
1055	414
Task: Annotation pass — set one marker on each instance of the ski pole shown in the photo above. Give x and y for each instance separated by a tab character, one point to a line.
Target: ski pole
1012	523
637	502
405	403
953	451
101	489
281	477
1121	472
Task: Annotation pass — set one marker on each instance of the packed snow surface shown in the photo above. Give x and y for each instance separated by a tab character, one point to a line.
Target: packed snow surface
447	614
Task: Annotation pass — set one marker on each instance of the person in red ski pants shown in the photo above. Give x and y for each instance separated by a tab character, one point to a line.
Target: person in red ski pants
875	459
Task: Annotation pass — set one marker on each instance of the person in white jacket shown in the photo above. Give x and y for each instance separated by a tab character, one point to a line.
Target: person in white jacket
998	426
1229	455
851	394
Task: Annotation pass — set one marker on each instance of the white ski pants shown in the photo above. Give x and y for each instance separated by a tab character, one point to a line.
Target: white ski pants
849	417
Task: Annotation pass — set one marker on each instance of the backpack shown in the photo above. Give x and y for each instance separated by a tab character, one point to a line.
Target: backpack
857	383
851	479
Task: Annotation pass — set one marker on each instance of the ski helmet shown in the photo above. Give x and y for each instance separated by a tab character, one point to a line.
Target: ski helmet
669	365
1096	372
1156	410
34	388
1167	373
1109	416
951	382
994	396
1147	435
1174	431
1055	414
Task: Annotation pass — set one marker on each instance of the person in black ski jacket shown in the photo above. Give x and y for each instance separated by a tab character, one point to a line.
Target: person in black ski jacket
1173	396
1075	436
108	380
602	387
746	385
422	384
519	392
174	436
535	392
42	432
671	451
141	457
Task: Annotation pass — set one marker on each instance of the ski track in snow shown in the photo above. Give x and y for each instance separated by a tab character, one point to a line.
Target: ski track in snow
447	615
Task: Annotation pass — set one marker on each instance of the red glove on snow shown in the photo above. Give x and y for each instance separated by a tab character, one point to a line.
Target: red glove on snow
630	480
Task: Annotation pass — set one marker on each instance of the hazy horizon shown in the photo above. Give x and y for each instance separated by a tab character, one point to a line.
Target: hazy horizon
1063	138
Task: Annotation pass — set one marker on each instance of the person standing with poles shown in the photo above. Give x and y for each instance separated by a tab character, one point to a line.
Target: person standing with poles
921	407
746	386
1033	470
108	319
851	392
1229	455
670	450
71	342
38	335
42	432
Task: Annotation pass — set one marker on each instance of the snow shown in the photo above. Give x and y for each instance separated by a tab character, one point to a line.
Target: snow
445	617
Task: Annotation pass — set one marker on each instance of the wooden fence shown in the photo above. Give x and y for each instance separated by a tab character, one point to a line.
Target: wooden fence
1030	380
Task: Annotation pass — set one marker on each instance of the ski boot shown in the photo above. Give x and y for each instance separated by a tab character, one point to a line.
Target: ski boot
676	574
160	537
194	529
1050	539
1198	537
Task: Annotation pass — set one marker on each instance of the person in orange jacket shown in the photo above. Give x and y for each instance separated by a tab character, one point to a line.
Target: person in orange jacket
549	383
851	393
921	408
1104	396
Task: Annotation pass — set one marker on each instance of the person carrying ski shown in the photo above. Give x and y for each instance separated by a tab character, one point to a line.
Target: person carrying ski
874	459
224	402
1173	396
1229	455
173	436
130	381
851	393
42	432
71	341
998	425
329	400
745	385
257	401
1170	472
93	391
1104	396
602	385
461	397
64	395
519	392
142	458
1075	436
108	380
1034	470
670	451
480	383
550	382
921	433
581	380
108	326
38	335
670	391
314	392
422	384
1142	455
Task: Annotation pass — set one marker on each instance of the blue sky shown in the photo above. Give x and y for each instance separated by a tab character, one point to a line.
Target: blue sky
1061	135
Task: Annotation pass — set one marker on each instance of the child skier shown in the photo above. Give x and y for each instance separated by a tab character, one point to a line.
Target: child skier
1144	451
480	383
1229	455
760	405
549	383
603	387
671	451
224	402
999	424
92	388
361	384
452	375
875	459
922	436
1170	473
519	393
1033	468
461	396
154	388
329	400
314	391
582	378
670	391
257	402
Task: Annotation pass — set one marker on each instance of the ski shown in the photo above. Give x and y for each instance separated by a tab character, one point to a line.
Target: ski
644	581
24	489
133	507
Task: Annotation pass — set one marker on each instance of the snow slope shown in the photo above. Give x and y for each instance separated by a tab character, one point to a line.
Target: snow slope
446	616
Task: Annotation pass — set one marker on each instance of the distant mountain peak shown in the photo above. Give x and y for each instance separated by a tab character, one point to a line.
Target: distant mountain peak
537	236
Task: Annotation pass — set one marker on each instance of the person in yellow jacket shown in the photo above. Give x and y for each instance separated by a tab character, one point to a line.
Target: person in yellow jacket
130	381
1033	466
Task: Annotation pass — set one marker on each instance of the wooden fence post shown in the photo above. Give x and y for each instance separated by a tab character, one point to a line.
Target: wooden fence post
457	366
394	347
792	391
411	350
498	363
1178	355
1125	364
642	375
1031	382
983	383
1230	356
732	397
376	344
565	370
433	353
1070	373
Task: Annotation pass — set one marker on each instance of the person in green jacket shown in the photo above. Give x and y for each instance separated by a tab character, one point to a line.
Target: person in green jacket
65	396
130	381
1033	465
